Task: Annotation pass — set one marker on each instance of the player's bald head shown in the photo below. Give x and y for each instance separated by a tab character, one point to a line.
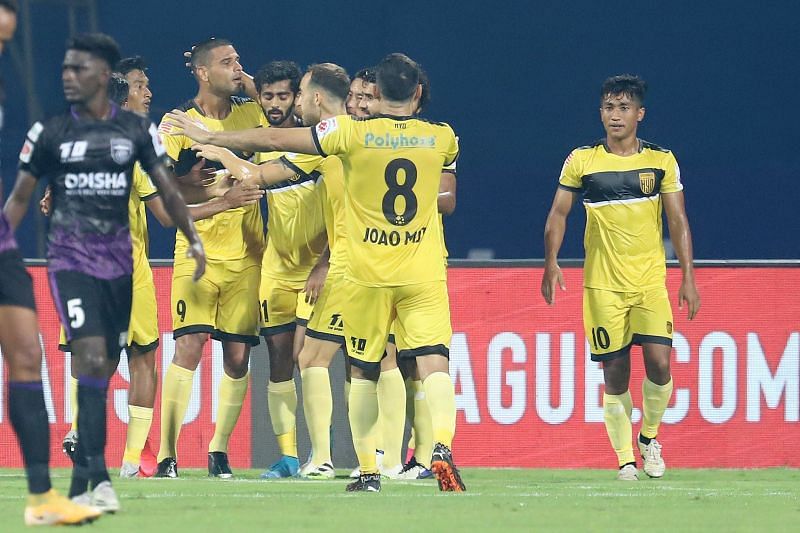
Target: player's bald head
398	77
201	53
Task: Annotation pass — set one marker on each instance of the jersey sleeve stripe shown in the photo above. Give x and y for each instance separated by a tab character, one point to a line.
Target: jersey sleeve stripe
316	142
294	167
568	188
149	196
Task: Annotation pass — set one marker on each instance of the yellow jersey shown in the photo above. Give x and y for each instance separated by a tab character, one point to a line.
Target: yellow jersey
235	234
330	187
392	169
142	189
622	196
295	221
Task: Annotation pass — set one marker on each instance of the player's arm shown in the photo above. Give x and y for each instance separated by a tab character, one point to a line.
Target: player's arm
239	195
19	199
681	237
269	173
156	206
316	279
178	212
554	230
446	202
299	140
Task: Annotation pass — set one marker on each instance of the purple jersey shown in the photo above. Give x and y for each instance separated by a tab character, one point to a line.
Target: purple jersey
7	241
89	165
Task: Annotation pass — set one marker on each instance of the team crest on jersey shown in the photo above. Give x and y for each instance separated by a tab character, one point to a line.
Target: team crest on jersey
121	150
669	327
647	181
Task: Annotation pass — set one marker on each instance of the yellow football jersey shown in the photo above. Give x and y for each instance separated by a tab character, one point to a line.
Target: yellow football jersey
295	221
236	234
622	195
142	189
392	168
330	188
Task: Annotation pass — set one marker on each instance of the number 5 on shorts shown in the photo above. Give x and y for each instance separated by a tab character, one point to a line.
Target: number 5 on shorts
75	312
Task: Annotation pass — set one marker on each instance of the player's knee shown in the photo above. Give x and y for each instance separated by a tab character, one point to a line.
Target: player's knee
25	362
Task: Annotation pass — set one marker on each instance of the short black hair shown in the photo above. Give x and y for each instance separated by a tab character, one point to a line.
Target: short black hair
99	45
128	64
331	78
275	71
632	86
11	5
118	88
200	51
425	96
367	74
398	77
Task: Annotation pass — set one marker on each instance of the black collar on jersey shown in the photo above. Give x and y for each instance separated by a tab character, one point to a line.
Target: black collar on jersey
604	142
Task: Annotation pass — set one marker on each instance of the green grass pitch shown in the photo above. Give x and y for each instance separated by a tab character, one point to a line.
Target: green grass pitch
497	500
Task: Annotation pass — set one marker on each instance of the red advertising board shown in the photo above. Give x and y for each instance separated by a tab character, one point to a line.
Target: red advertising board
527	393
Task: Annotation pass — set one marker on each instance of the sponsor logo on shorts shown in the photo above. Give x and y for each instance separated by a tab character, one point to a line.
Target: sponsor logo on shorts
669	327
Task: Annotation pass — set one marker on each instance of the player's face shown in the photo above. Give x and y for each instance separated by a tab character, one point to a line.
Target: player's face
354	98
83	76
8	25
277	101
620	115
369	105
139	94
307	106
224	71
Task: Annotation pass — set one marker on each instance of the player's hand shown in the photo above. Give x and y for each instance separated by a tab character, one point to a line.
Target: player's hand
177	122
199	176
196	252
552	277
688	294
212	153
315	283
46	203
241	195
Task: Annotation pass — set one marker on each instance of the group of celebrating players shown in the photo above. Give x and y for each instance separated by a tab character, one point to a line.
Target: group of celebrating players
353	259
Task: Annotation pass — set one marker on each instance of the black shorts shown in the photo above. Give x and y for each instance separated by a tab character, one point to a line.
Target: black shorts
92	307
16	285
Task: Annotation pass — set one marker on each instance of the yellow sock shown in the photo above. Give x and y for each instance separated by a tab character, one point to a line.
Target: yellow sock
617	415
441	398
175	394
392	413
73	398
139	421
423	428
282	403
363	415
231	397
655	399
318	408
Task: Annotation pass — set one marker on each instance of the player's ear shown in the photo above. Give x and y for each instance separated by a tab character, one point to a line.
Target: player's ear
640	116
418	92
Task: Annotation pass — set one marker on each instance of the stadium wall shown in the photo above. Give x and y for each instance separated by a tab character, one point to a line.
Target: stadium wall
527	393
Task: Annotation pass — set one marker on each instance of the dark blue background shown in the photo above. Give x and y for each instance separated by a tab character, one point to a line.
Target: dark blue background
519	82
